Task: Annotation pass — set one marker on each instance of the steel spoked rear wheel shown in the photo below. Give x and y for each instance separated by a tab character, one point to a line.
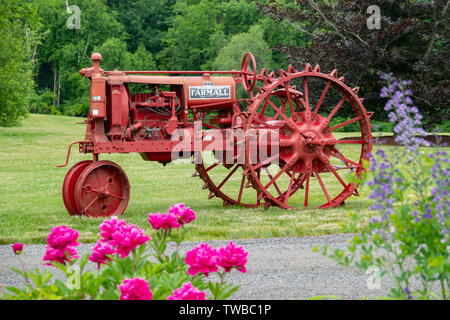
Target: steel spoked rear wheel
306	108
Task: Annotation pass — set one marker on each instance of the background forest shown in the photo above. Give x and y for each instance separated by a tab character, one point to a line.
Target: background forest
41	54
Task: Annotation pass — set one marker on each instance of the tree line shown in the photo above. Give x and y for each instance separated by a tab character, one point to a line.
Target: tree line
41	54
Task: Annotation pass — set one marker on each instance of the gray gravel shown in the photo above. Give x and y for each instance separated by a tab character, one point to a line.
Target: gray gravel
277	269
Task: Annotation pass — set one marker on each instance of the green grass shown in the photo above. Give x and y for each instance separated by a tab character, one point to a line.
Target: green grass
31	202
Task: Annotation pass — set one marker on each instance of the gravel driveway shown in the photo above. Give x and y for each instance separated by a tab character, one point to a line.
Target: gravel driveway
278	268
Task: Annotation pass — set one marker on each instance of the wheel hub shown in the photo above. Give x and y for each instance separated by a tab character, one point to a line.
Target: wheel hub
309	145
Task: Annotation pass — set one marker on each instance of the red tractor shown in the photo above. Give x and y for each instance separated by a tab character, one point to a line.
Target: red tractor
155	112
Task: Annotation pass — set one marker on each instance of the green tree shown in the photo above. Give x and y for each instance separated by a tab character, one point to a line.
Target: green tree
201	28
142	60
64	51
186	40
114	54
230	56
412	42
19	27
145	21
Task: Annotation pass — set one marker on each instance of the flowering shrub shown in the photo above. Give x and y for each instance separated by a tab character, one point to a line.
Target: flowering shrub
187	292
61	245
408	234
135	289
125	268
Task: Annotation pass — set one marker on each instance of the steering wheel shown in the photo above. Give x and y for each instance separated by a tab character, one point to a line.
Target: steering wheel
248	76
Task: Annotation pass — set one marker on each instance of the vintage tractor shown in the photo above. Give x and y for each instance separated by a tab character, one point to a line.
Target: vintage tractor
292	116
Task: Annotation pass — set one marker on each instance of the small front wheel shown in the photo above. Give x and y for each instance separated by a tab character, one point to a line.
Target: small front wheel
102	190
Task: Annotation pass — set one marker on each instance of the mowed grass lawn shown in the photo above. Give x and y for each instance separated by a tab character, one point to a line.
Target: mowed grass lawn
31	202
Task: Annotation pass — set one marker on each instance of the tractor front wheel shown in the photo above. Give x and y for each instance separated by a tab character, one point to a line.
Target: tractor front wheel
102	190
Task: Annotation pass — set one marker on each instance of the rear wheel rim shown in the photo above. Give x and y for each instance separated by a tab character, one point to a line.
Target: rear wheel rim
69	184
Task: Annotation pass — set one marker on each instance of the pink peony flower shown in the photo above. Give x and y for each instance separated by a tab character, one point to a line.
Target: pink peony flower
61	242
232	256
59	255
62	236
187	292
127	238
166	221
135	289
202	259
184	214
100	253
17	248
108	227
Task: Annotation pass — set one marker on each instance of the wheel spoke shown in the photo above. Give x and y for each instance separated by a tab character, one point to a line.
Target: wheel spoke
289	98
346	123
90	203
227	177
263	108
241	189
322	96
305	82
337	175
350	141
287	166
278	111
246	64
258	200
340	156
264	162
282	110
322	186
307	189
344	167
272	181
115	196
212	166
337	107
259	121
288	192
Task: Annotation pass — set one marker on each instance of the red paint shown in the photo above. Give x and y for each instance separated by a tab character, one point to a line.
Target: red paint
120	121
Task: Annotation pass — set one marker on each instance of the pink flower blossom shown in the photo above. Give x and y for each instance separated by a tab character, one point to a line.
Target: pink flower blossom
60	255
127	238
232	256
17	248
100	253
184	214
62	236
135	289
187	292
108	227
61	242
166	221
202	259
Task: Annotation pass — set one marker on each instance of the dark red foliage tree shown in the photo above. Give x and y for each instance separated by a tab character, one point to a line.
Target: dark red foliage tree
412	42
